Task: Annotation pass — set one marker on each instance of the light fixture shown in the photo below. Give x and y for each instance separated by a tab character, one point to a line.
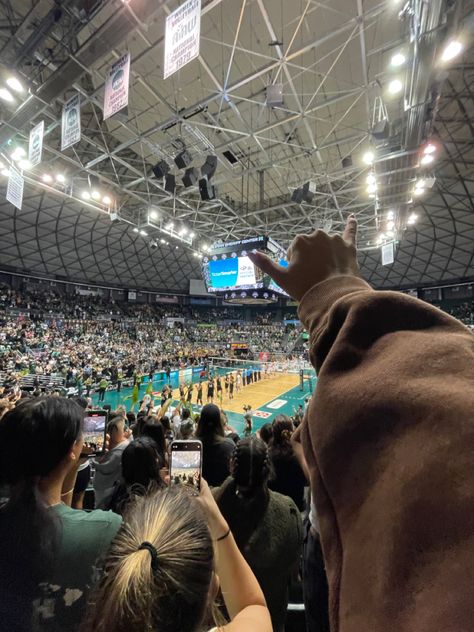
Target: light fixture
14	84
153	215
398	59
427	159
368	157
412	219
370	178
162	241
183	232
430	148
46	178
6	95
169	226
395	86
191	235
390	225
107	200
372	196
144	233
24	164
390	215
205	247
135	230
380	238
60	178
371	188
85	195
451	50
5	172
196	254
176	247
418	191
390	233
18	153
95	195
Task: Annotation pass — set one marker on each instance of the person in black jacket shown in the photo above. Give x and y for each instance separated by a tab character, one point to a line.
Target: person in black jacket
216	448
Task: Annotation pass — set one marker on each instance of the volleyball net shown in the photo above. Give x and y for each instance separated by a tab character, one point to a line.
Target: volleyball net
273	366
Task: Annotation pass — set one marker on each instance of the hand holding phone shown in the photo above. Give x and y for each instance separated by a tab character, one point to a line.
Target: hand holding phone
186	464
94	432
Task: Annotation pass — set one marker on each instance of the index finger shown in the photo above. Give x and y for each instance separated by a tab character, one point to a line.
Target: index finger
350	231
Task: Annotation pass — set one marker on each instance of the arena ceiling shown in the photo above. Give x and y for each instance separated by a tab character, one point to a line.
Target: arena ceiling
333	61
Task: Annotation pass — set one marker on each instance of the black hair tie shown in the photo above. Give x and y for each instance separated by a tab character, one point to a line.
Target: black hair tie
152	551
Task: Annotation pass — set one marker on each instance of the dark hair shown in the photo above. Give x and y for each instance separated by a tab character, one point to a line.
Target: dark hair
185	414
209	427
266	432
81	401
165	422
35	437
244	500
131	417
154	429
141	464
282	430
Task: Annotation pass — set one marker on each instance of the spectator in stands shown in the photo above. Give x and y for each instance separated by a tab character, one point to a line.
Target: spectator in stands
387	442
108	468
153	428
186	430
163	574
48	551
266	525
217	449
141	467
289	478
266	432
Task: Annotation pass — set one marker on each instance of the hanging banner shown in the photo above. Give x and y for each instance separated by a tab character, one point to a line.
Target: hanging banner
35	148
116	87
183	29
71	122
15	188
387	254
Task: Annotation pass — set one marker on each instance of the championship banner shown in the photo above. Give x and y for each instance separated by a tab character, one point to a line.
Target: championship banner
387	254
71	122
35	147
15	188
183	30
116	87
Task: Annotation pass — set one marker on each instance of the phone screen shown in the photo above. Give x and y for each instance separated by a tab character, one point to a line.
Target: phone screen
186	464
94	429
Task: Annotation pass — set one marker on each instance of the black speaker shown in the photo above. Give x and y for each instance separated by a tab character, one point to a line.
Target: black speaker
346	162
183	159
209	167
170	183
381	130
207	190
309	189
190	177
161	169
297	196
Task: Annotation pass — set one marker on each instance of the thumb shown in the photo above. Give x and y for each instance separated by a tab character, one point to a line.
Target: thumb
266	265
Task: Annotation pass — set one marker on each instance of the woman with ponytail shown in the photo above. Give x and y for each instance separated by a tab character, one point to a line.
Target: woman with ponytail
289	478
48	551
266	525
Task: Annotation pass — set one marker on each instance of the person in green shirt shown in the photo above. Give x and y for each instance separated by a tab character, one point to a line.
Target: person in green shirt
102	388
49	553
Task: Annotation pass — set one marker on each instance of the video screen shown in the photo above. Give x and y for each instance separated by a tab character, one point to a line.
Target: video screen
231	271
186	468
272	285
94	430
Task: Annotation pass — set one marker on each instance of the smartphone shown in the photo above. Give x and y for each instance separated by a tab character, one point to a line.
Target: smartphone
186	464
94	430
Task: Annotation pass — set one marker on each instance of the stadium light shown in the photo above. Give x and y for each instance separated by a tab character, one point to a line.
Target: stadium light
191	235
135	230
169	226
6	95
390	215
368	157
107	200
60	178
380	238
153	215
395	86
427	159
5	172
183	232
85	195
47	178
143	233
398	59
451	50
95	195
18	153
15	84
430	148
371	188
370	178
412	219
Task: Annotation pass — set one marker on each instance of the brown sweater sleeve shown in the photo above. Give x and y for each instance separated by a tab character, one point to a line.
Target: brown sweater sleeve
389	442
